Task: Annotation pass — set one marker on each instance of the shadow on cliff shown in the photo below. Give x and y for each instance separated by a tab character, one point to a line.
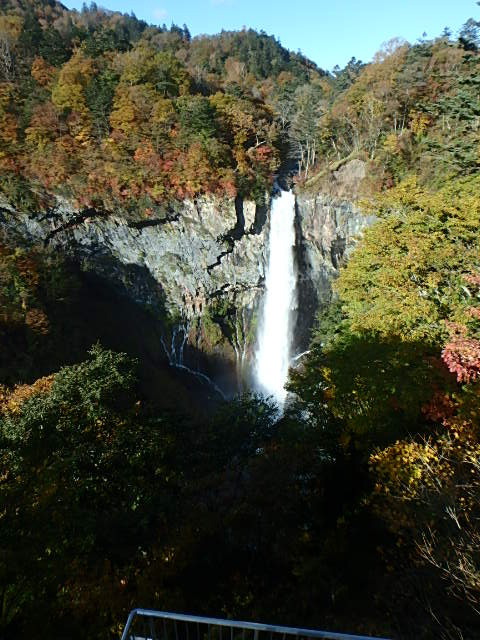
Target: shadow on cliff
94	310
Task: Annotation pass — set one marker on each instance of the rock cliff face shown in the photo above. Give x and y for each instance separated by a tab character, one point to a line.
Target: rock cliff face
328	228
200	268
329	225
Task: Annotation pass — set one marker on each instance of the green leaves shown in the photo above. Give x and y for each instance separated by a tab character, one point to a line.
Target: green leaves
404	279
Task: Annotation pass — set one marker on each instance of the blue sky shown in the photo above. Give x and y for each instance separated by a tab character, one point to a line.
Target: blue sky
327	32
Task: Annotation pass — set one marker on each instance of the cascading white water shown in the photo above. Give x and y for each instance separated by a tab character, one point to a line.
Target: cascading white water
275	329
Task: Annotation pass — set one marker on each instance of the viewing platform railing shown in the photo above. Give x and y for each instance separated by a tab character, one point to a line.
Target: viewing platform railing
145	624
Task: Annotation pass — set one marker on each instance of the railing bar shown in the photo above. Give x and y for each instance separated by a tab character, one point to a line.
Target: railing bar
165	629
308	633
130	618
208	631
231	633
176	629
221	629
188	632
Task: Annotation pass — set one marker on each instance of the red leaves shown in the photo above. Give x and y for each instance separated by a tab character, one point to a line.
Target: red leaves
227	185
462	353
462	357
440	407
146	156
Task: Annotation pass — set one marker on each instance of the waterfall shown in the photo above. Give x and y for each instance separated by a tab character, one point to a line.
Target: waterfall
175	356
275	329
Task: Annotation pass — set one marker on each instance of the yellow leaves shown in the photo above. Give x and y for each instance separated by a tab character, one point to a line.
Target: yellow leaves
137	66
400	279
11	401
69	96
8	122
419	122
371	106
162	111
7	90
236	115
132	108
10	27
390	143
159	71
402	473
72	80
78	70
414	471
83	136
80	128
123	114
157	191
404	194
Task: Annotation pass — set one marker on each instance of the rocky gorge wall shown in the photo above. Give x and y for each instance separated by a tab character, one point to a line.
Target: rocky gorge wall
328	229
200	268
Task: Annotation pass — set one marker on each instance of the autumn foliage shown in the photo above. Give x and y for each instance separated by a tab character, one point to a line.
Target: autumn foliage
88	91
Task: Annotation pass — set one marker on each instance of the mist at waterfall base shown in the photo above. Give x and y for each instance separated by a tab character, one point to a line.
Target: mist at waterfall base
272	358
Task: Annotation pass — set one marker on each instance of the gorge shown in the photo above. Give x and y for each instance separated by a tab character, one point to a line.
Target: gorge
182	218
201	269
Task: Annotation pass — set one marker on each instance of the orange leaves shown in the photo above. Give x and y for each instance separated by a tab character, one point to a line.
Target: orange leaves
227	184
265	156
179	174
12	401
473	278
8	122
192	174
37	321
8	128
55	169
44	125
146	156
127	125
43	72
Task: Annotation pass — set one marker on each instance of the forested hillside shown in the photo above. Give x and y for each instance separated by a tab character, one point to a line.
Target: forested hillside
356	510
111	113
392	378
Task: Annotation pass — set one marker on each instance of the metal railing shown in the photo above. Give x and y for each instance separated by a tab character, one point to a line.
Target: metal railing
145	624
